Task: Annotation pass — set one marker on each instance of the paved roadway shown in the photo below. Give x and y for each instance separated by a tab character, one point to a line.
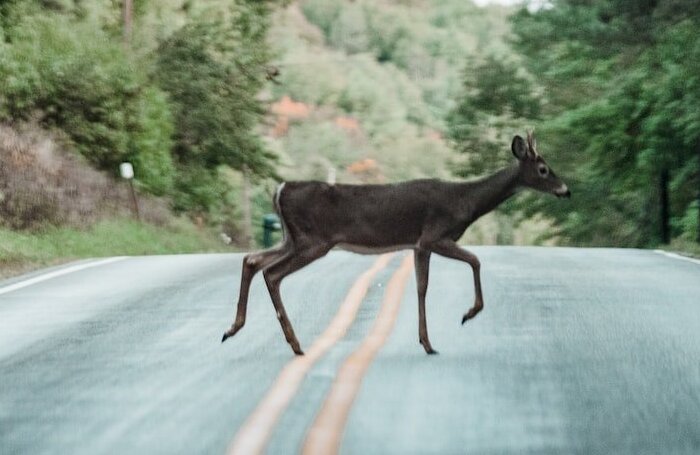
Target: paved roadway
576	351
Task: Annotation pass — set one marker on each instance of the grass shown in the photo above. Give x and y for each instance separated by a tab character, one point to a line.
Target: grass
24	251
684	247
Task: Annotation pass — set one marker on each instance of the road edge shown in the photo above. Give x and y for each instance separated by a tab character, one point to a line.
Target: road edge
677	256
23	283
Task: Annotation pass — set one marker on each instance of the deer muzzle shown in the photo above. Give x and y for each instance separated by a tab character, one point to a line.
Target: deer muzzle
563	192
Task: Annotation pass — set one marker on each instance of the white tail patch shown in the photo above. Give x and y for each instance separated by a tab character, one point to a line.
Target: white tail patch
277	197
278	205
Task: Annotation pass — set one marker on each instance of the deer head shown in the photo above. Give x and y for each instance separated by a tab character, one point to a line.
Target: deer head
535	173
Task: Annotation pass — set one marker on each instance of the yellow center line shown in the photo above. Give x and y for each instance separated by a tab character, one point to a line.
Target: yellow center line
326	432
254	434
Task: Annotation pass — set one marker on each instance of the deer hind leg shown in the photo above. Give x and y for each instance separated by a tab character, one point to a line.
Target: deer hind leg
451	250
252	264
422	266
274	274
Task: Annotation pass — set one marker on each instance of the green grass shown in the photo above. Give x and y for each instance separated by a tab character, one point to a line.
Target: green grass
24	251
684	246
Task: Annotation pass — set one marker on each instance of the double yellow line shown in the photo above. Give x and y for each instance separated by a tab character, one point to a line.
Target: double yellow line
325	434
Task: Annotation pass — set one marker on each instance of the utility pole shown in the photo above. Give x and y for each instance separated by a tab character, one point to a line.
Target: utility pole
127	13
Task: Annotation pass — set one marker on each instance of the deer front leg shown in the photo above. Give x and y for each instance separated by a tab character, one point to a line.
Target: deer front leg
295	260
252	264
451	250
422	266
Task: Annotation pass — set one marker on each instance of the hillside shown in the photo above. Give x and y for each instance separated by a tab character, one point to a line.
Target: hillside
213	103
364	87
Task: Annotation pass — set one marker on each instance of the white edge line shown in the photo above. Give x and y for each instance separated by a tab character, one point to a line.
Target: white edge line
677	256
57	273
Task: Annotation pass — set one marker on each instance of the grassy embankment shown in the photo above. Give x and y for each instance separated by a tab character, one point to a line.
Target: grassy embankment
23	251
684	247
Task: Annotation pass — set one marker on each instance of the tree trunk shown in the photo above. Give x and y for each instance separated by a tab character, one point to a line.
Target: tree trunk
697	239
247	216
665	230
128	10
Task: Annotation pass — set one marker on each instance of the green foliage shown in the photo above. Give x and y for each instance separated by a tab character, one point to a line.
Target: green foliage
425	42
499	89
152	142
316	147
198	190
71	75
385	65
179	102
212	69
323	14
349	30
496	101
620	110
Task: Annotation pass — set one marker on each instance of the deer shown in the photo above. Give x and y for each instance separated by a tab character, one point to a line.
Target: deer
427	216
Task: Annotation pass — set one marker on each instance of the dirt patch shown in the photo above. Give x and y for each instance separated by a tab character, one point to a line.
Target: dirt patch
42	182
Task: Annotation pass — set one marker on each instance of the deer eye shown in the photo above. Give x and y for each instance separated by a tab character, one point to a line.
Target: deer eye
543	170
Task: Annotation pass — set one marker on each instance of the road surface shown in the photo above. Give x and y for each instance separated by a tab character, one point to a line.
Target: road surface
577	351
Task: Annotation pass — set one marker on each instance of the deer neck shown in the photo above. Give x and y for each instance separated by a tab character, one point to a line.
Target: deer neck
486	194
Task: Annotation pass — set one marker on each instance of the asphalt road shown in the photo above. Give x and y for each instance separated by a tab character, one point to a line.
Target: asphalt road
576	351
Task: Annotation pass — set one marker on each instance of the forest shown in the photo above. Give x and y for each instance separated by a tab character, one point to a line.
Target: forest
215	102
612	88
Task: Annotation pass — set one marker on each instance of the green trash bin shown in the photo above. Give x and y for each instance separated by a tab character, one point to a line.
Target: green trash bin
271	223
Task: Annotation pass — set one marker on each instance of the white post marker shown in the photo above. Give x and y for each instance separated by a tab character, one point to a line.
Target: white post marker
127	172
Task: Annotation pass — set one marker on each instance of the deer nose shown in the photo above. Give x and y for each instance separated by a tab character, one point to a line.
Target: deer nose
563	191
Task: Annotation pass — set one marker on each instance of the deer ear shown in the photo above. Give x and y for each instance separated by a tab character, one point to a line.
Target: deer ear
519	148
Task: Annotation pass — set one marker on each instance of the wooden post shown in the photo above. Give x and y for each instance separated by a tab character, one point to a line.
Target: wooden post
127	172
134	200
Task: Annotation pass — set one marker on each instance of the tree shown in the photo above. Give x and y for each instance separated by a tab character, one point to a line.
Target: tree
620	79
68	74
212	69
496	101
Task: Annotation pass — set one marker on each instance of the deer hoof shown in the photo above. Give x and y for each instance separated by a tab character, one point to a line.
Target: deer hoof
229	333
296	348
468	315
232	331
428	348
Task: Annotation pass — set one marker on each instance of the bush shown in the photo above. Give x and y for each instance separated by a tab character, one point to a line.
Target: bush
212	69
74	76
152	142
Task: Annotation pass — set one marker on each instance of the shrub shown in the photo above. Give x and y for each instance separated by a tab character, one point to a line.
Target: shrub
152	142
73	76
